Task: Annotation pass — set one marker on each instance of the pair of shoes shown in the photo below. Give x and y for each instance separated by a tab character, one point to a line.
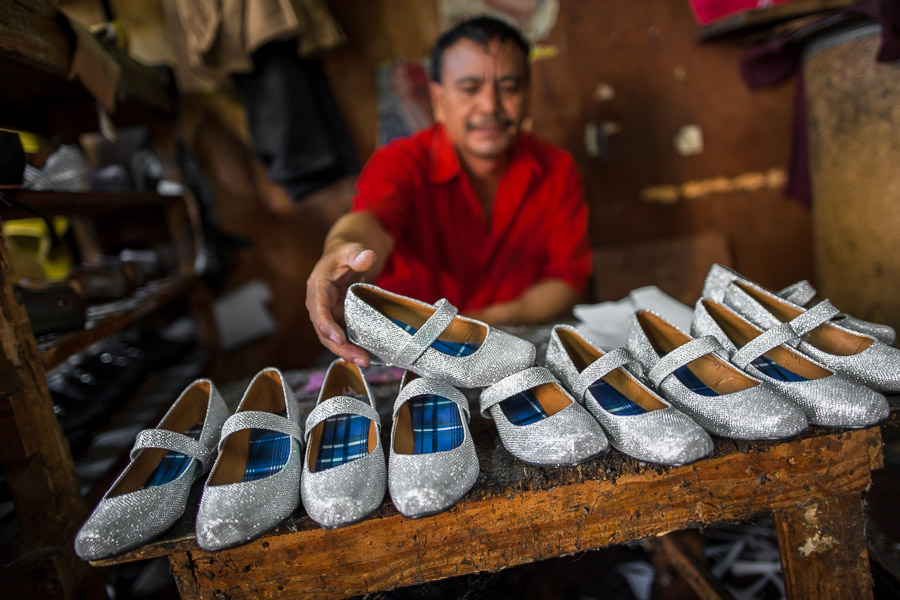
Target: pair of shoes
827	398
802	294
637	421
853	354
696	377
151	493
431	340
432	456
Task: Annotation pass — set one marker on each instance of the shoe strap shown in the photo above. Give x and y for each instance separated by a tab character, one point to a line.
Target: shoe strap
173	442
341	405
257	419
422	339
780	334
681	356
599	368
821	313
799	293
423	387
512	385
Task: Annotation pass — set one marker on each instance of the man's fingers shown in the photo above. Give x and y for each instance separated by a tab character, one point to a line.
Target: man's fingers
347	351
362	260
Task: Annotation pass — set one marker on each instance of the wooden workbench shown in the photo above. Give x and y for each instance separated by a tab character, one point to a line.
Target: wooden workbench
518	514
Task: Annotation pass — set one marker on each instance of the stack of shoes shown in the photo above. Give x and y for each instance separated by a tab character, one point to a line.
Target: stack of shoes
90	387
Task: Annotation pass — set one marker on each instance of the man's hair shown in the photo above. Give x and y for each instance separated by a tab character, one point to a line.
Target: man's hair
482	31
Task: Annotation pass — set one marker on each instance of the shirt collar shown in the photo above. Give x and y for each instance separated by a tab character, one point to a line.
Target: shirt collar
445	163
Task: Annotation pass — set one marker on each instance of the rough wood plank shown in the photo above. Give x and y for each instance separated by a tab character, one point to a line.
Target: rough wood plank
823	549
182	569
15	431
528	518
30	32
43	485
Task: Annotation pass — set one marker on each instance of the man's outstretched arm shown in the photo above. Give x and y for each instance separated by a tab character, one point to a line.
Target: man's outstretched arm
356	249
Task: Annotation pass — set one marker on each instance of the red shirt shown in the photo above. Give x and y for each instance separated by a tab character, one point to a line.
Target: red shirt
445	248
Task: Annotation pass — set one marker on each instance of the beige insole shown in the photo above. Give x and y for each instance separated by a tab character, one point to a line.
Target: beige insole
406	311
825	337
712	371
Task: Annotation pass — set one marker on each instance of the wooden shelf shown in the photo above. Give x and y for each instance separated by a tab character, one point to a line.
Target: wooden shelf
105	319
83	203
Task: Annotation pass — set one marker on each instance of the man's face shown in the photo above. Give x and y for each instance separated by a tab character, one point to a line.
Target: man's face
481	99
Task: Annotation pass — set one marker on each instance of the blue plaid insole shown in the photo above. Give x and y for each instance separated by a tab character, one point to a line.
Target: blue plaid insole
344	438
435	423
523	408
612	400
449	348
173	463
269	452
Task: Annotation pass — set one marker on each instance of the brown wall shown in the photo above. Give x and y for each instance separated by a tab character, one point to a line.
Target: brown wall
663	79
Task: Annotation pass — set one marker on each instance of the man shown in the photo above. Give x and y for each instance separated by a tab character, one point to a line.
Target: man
470	209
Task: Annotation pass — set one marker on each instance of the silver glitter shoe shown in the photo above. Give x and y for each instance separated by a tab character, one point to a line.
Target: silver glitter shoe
432	462
431	340
151	493
694	375
637	421
801	293
539	422
344	474
855	355
827	398
255	482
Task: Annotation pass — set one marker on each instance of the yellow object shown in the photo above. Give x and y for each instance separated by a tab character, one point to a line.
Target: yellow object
32	238
31	142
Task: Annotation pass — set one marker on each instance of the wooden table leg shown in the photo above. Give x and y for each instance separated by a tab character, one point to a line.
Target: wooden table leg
181	568
823	549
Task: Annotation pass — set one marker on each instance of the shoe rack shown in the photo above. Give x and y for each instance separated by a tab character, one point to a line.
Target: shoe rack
36	51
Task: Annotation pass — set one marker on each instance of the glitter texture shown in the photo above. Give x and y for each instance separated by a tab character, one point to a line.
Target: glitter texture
425	484
828	401
876	365
663	436
498	356
235	513
125	521
755	412
348	492
719	278
567	437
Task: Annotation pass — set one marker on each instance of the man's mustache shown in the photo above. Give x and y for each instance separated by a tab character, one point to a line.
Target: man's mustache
504	123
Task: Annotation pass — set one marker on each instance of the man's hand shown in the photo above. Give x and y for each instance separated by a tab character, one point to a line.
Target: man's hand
356	249
341	265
